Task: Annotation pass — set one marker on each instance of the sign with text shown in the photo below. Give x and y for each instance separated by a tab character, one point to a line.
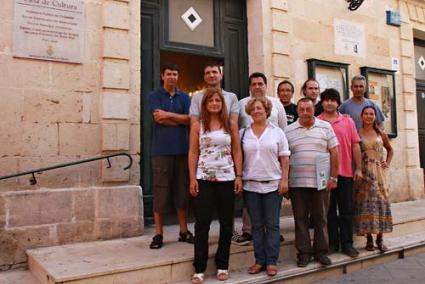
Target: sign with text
349	38
49	30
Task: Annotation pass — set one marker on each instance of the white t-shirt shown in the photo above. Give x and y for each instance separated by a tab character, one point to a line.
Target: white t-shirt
277	116
261	158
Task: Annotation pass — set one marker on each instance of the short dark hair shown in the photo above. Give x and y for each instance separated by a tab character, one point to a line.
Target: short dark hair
330	94
305	100
169	66
286	82
212	64
257	75
304	86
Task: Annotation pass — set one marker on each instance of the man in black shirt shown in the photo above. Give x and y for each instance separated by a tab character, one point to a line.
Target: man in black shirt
285	92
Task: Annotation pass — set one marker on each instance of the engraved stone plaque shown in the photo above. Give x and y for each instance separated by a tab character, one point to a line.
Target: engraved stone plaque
49	30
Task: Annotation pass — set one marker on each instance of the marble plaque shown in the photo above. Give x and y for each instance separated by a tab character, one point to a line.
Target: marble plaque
350	38
49	30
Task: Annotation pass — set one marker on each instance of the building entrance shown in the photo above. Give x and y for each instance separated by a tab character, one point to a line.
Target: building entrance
189	33
420	96
191	69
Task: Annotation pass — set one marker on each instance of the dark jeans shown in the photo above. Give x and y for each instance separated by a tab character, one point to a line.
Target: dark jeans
221	196
307	201
264	210
340	215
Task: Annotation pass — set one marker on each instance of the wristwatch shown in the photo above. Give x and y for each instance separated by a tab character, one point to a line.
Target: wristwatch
335	179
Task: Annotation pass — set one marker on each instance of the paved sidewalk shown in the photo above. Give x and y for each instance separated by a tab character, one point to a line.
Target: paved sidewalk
410	270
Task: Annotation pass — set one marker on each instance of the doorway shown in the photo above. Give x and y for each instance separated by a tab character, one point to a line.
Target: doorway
191	69
420	96
188	33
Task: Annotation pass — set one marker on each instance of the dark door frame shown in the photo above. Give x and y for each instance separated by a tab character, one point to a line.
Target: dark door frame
420	86
231	46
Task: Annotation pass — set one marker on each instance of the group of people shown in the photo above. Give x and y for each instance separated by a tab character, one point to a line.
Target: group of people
326	156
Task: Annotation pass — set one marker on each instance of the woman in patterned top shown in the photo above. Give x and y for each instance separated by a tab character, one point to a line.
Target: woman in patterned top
215	172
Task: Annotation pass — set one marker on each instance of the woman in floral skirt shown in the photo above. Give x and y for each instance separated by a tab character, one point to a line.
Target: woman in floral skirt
372	207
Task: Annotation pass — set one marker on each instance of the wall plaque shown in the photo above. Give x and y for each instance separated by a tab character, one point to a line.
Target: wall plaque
49	30
350	38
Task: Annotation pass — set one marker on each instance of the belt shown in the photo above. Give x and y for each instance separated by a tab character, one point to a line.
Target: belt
260	181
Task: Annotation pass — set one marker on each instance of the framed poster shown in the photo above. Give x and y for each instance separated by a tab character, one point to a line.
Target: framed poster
381	90
329	75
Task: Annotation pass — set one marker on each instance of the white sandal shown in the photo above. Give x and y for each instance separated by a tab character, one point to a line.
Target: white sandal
222	274
198	278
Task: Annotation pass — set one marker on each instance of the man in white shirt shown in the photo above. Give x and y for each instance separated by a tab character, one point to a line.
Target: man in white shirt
257	88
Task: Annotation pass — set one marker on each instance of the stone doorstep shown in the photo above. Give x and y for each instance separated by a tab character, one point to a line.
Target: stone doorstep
102	258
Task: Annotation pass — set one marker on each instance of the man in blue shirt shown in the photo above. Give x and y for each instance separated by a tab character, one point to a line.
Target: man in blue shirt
170	144
355	104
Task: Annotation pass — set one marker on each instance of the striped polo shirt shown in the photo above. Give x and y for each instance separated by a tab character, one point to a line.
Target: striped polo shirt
305	144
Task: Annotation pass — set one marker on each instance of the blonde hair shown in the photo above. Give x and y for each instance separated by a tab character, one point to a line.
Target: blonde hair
267	104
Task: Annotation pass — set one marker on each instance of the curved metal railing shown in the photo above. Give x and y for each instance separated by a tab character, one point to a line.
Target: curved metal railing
33	179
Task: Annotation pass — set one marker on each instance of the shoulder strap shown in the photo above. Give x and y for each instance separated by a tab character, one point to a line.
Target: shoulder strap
243	135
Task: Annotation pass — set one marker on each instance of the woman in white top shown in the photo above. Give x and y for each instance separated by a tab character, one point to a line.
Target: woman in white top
265	180
215	171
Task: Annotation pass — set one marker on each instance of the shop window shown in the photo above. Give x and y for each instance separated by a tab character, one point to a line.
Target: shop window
329	75
381	89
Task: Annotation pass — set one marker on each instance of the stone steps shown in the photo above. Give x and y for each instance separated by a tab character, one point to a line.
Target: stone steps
290	273
17	276
131	260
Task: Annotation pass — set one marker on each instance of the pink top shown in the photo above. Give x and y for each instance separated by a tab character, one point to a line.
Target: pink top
346	133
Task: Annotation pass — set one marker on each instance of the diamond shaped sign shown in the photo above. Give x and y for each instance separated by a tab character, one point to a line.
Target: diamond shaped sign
191	18
421	63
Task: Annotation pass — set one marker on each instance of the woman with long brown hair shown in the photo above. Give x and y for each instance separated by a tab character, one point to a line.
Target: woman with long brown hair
215	172
372	207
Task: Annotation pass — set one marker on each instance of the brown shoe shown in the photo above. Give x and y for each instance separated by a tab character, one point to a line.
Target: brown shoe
369	243
271	270
256	268
380	244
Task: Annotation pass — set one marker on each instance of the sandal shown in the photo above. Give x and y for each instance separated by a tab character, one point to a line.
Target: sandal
222	274
197	278
271	270
380	243
369	243
186	237
256	268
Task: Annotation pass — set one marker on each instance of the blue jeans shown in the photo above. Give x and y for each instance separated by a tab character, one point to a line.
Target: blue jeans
264	210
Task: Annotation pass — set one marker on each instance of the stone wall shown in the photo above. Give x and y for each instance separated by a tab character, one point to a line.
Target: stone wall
54	112
294	31
47	217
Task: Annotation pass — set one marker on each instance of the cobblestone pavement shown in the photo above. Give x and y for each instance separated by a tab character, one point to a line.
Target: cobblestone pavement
410	270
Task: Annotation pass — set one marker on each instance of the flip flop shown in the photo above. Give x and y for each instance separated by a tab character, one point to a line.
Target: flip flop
197	278
222	274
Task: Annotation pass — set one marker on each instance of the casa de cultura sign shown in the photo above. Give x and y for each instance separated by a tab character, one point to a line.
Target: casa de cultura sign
49	30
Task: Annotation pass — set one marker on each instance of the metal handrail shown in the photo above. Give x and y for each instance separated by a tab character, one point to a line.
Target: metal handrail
33	180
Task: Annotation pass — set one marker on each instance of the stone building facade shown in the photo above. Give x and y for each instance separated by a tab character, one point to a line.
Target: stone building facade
56	112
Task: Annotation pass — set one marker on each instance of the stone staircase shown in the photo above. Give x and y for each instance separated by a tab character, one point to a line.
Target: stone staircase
131	261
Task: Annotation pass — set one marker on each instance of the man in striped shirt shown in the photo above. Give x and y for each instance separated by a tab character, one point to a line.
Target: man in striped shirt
308	138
